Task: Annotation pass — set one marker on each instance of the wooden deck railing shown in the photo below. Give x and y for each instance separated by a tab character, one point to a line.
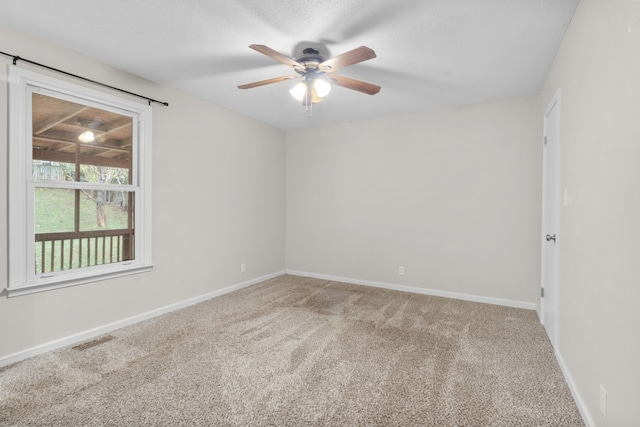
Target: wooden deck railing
70	250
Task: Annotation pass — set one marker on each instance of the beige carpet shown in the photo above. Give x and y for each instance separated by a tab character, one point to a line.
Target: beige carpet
296	351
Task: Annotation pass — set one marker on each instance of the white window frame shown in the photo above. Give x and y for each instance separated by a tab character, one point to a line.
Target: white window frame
22	277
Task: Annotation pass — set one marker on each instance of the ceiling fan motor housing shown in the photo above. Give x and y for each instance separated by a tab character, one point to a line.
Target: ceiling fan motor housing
311	59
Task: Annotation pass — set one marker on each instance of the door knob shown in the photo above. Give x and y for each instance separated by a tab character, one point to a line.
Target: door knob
550	238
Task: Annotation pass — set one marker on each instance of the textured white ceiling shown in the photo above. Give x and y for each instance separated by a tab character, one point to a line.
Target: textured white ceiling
430	54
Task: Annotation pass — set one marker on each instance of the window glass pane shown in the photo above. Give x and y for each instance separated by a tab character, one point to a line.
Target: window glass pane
54	210
100	209
81	228
77	142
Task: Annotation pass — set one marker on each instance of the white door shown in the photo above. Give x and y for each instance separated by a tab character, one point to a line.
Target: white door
550	217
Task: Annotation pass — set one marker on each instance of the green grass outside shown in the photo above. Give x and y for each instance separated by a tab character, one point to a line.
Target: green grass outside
54	212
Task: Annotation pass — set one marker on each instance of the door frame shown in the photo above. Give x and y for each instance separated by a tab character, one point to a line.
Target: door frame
555	103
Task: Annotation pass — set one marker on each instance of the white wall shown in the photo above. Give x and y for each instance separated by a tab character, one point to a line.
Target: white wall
598	71
452	195
218	201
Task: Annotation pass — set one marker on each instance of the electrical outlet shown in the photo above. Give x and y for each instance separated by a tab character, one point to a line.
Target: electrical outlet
603	400
243	268
401	270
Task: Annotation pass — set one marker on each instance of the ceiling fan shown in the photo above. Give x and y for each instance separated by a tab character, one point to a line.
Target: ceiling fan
317	73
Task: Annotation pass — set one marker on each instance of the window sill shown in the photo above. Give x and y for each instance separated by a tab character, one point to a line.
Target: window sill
64	283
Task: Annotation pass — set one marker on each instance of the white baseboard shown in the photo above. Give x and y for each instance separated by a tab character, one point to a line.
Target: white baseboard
582	407
455	295
86	335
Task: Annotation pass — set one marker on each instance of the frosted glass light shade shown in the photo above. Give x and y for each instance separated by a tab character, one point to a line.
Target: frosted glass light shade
298	91
322	88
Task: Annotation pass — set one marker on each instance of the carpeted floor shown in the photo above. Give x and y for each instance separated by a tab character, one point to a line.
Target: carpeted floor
296	351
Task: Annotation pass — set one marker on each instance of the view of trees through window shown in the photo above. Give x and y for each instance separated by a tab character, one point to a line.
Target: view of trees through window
103	199
83	206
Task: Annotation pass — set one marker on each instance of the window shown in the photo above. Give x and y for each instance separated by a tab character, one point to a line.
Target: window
79	184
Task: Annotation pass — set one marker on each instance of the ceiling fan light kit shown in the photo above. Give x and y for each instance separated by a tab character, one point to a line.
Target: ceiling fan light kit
317	73
317	87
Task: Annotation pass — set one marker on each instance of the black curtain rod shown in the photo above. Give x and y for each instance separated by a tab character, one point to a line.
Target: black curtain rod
17	58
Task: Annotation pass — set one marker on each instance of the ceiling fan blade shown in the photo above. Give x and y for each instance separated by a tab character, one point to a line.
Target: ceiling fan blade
266	50
266	82
354	56
353	84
